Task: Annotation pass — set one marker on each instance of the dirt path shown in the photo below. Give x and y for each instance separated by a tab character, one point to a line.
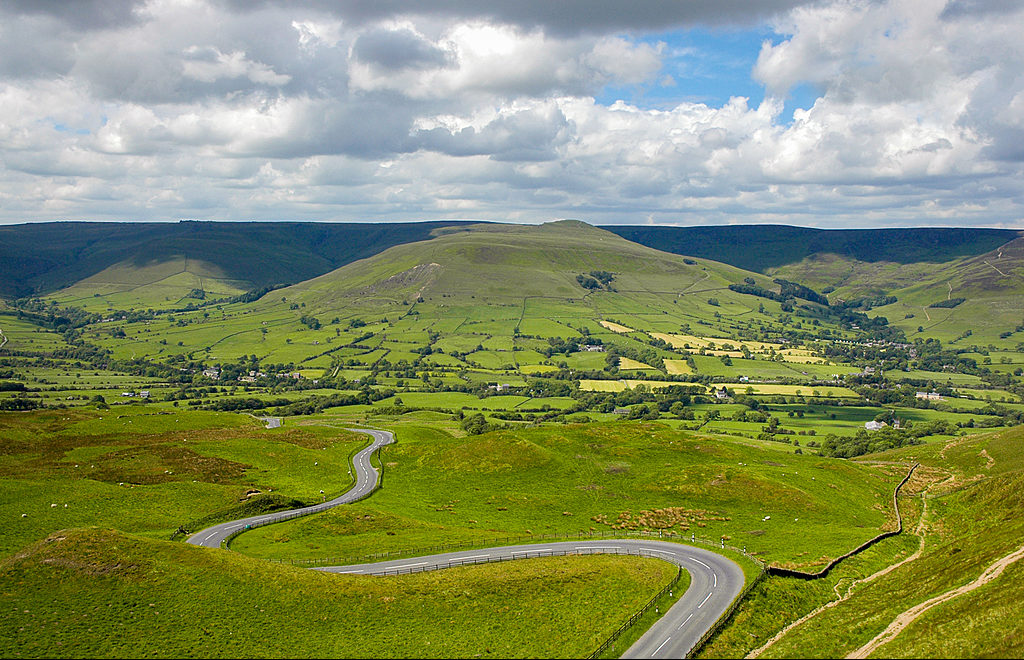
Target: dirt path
919	531
996	269
3	337
926	315
911	615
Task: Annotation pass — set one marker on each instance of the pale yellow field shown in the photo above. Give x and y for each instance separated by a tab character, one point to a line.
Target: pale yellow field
677	367
790	390
651	384
628	363
720	353
615	327
697	343
797	356
602	385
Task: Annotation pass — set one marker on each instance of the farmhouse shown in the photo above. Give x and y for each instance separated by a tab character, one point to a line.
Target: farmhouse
592	348
212	372
930	396
874	426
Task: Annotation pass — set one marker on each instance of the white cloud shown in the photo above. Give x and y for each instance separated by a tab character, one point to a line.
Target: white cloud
206	109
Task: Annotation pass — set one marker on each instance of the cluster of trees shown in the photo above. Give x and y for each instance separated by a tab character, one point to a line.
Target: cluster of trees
596	279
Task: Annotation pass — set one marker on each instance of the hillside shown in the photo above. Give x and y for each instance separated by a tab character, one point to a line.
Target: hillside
763	248
40	258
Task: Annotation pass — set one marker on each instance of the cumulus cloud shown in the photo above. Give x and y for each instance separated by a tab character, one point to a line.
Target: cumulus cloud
362	110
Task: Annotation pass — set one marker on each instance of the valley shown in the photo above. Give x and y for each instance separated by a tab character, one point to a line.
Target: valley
539	381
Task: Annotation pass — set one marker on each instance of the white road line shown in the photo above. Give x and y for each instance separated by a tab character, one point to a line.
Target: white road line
715	575
705	600
471	557
662	646
209	537
684	621
395	568
700	562
347	571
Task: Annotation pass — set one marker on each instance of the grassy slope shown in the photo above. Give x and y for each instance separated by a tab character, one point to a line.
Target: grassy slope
100	593
47	256
972	521
149	473
559	479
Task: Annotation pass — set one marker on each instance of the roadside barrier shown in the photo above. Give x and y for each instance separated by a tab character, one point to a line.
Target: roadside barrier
521	539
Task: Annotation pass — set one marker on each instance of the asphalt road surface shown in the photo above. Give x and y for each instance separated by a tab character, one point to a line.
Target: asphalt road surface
714	582
366	482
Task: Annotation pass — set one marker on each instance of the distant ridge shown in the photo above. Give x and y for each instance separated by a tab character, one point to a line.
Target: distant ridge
39	258
763	247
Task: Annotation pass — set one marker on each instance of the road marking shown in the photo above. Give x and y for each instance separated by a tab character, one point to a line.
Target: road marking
395	568
660	647
537	550
347	571
705	600
471	557
700	562
715	575
684	621
209	537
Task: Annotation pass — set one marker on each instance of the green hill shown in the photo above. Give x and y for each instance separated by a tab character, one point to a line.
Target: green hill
43	257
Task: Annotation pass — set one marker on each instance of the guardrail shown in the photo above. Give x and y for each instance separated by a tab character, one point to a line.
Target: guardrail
636	616
521	539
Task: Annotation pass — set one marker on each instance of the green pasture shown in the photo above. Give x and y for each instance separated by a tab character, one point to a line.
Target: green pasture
969	526
65	595
149	472
598	477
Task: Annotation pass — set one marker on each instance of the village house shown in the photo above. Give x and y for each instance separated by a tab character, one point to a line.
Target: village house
874	426
930	396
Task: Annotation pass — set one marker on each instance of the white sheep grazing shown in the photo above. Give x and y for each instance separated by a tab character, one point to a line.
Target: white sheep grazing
24	515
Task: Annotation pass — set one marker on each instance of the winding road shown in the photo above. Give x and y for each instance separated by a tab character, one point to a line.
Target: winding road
715	581
366	482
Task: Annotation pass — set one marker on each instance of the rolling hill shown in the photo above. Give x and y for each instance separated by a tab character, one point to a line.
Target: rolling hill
41	258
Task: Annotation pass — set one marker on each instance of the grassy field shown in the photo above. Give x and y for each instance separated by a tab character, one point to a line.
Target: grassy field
494	320
973	519
149	473
101	593
578	479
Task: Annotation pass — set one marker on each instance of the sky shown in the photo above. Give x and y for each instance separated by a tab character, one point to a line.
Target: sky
832	114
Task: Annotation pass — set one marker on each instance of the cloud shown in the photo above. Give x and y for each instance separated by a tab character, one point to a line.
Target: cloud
364	110
567	17
395	49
